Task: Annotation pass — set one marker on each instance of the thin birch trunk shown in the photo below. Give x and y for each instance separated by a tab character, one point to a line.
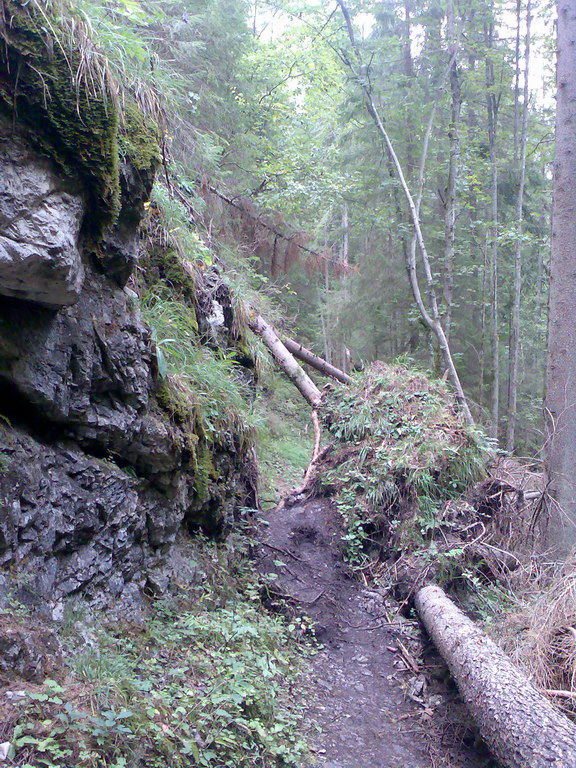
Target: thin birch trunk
483	321
325	318
343	258
454	139
326	343
492	106
495	341
431	317
345	237
409	74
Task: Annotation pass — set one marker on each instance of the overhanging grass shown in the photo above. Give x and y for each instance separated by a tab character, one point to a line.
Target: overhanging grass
210	380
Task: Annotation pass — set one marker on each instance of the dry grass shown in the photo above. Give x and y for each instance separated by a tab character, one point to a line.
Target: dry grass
541	635
87	50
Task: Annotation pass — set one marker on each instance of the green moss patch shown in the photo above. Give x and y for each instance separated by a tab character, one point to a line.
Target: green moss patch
138	139
57	88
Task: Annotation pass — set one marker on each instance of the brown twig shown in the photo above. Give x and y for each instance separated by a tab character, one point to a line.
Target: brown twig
408	658
283	551
560	694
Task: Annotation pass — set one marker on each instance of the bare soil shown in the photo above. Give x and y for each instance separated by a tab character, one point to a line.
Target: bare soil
373	705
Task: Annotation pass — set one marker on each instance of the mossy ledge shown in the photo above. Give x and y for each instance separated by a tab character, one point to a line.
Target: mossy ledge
75	124
53	82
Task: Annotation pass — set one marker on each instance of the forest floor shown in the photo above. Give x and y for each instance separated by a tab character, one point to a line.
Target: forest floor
367	699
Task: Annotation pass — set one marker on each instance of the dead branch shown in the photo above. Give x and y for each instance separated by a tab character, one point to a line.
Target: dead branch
284	359
321	365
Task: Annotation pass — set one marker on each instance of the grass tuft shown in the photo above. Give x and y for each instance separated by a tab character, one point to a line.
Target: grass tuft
211	379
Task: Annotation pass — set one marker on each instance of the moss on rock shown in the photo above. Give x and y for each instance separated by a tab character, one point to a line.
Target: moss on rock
138	139
175	400
72	119
162	265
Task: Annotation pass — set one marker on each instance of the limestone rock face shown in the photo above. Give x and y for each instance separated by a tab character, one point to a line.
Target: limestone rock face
97	479
79	523
40	217
102	476
120	253
89	369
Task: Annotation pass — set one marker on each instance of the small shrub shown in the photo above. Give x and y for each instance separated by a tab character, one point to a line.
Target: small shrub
204	682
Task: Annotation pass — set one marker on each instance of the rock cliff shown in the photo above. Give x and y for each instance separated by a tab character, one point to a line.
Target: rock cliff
98	477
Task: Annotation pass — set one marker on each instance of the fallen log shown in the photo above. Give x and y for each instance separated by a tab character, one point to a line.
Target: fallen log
519	725
321	365
284	358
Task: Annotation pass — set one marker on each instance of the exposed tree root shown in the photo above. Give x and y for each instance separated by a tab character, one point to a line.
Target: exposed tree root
307	487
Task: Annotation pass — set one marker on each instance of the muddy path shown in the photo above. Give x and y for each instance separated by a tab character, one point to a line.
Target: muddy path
373	706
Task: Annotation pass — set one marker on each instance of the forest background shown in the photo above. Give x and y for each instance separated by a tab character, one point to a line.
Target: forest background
269	137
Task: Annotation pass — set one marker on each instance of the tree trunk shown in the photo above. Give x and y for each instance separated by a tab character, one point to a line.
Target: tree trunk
483	323
560	462
514	355
431	317
408	83
284	359
325	340
307	356
345	238
492	106
518	723
454	139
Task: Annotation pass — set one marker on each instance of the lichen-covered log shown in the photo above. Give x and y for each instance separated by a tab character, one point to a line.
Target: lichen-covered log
518	723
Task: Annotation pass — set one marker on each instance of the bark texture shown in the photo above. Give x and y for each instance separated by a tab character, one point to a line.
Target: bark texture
561	368
307	356
518	723
284	358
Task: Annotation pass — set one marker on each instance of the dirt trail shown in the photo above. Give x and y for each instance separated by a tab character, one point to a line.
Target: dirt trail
354	693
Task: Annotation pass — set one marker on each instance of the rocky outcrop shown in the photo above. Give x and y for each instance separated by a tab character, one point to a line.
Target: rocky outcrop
98	478
39	255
